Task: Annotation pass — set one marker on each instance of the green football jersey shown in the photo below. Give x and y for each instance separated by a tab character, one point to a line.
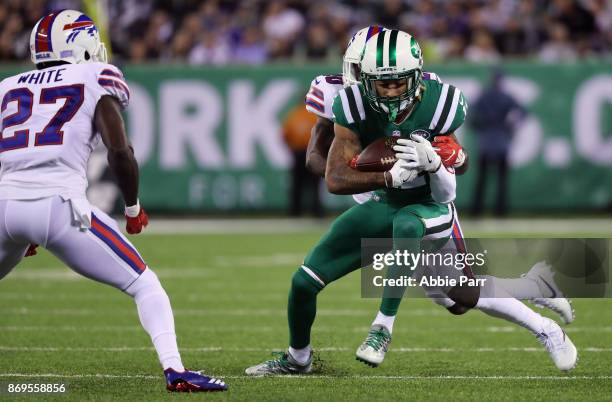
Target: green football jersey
440	111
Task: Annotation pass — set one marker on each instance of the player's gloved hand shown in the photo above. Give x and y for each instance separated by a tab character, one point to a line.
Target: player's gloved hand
135	218
418	153
450	151
399	174
31	250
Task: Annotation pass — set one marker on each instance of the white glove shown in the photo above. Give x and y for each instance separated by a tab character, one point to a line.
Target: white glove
399	174
418	153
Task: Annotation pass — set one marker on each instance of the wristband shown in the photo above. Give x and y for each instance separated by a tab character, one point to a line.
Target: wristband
134	210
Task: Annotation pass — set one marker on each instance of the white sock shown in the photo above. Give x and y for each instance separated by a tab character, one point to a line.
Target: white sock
519	288
384	320
156	318
300	355
497	302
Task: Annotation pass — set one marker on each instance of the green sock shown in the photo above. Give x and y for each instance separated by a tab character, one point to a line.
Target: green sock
302	308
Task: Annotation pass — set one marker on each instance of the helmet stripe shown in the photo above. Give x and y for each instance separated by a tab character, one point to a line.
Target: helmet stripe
380	48
393	48
373	30
42	42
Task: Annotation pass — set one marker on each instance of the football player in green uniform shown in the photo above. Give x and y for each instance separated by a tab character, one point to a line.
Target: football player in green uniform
392	99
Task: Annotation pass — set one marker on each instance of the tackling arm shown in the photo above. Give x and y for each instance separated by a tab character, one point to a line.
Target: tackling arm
321	137
339	176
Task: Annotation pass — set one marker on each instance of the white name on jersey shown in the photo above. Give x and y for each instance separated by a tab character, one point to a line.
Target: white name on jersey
47	128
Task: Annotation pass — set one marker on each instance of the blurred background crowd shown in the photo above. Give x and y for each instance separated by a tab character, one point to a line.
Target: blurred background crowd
220	32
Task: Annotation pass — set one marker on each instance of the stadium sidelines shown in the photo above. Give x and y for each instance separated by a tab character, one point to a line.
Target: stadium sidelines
592	226
314	377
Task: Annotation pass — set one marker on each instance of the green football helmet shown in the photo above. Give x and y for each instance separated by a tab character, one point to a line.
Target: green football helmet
392	55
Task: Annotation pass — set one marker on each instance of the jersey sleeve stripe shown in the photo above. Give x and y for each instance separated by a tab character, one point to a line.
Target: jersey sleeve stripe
453	111
315	105
108	71
359	102
439	107
446	109
345	107
317	93
113	83
350	96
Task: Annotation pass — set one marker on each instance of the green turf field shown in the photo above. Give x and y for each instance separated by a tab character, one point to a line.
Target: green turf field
229	297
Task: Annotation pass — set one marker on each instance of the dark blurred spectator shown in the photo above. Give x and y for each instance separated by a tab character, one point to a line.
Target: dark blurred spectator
281	25
317	42
296	132
557	47
577	19
251	49
494	117
258	30
389	12
482	49
211	49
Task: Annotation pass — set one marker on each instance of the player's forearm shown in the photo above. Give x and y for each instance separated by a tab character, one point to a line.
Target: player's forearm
443	185
316	163
123	164
350	181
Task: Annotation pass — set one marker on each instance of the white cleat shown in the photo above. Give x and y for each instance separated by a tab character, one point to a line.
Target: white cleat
552	297
560	305
372	351
559	346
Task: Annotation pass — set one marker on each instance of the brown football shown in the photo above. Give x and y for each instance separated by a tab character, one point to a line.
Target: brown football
379	156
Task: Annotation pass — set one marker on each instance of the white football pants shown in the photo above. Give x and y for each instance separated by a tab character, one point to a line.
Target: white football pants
101	253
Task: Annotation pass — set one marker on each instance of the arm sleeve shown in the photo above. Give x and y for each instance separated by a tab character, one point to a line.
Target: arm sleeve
443	185
110	81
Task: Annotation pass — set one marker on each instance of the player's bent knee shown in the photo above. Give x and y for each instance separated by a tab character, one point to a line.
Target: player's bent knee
408	227
303	284
458	309
146	283
466	296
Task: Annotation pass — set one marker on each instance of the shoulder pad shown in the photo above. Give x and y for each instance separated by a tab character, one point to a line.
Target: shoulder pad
111	79
429	76
320	97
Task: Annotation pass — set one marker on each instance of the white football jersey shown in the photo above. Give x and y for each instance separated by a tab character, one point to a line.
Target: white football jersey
320	98
48	130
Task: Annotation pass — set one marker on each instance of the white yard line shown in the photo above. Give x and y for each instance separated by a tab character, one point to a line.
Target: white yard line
204	312
50	349
270	328
313	377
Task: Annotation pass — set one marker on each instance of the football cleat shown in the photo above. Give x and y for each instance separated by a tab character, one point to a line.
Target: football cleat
559	346
372	350
560	305
284	364
542	274
192	381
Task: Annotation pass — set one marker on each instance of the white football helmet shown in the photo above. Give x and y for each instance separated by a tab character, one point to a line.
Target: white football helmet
67	35
354	52
392	55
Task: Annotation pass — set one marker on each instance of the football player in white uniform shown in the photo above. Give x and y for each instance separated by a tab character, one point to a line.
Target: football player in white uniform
537	285
52	118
